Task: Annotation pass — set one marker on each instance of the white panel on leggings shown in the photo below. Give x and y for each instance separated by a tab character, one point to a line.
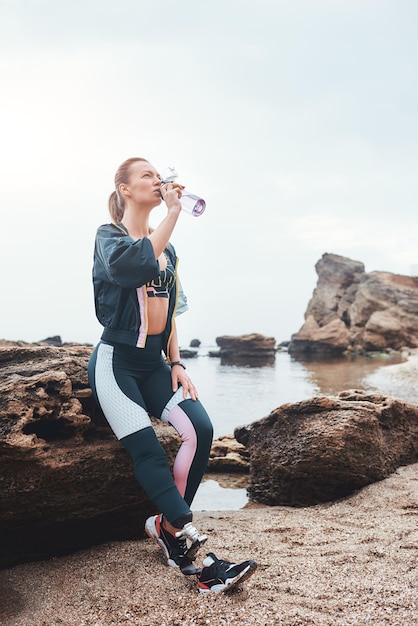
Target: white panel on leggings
123	414
174	401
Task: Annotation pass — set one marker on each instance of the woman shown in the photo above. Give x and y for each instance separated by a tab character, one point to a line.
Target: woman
136	370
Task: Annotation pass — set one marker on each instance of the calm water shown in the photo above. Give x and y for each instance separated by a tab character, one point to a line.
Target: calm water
235	396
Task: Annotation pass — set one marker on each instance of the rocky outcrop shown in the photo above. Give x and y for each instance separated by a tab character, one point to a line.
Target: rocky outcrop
326	448
65	481
227	455
355	311
246	349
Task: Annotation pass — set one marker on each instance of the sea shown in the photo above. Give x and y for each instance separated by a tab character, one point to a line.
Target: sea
236	395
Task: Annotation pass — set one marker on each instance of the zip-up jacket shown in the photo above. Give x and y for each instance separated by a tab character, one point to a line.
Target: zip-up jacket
122	267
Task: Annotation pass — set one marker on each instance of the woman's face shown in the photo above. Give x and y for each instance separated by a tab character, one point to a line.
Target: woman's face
144	184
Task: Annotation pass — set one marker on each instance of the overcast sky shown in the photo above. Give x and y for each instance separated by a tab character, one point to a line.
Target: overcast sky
296	121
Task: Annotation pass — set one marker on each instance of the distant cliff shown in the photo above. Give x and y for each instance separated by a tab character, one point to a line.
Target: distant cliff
355	311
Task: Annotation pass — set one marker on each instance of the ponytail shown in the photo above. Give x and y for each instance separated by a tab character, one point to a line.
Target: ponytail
116	201
115	209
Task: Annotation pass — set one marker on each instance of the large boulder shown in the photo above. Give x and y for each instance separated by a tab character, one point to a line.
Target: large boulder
325	448
65	481
352	310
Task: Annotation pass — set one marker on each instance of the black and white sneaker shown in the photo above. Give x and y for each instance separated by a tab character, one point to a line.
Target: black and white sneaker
193	538
174	549
218	575
180	549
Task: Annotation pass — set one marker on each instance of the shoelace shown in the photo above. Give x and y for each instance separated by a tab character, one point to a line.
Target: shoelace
190	532
182	546
218	565
178	542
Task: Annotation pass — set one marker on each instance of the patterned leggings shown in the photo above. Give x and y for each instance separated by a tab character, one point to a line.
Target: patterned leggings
129	384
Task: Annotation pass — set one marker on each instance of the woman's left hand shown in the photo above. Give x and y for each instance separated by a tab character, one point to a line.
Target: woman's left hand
179	376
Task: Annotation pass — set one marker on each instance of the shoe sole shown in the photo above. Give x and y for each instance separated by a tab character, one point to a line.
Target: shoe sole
186	563
241	578
194	549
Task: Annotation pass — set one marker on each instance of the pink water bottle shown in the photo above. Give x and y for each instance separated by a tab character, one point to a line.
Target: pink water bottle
189	201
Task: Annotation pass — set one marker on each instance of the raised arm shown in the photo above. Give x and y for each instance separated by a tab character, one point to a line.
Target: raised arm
161	235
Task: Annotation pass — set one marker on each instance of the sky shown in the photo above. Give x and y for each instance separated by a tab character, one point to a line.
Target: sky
295	121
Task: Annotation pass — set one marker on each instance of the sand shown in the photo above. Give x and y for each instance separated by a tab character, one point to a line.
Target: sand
351	562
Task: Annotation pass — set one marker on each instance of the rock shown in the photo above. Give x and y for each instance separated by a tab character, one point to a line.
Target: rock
186	353
353	311
283	346
325	448
195	343
247	349
65	481
227	455
330	340
338	278
53	341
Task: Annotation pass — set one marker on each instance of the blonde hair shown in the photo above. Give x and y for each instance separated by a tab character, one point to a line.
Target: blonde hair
116	201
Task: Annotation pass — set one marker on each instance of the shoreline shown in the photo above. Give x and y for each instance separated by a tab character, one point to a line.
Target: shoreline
399	380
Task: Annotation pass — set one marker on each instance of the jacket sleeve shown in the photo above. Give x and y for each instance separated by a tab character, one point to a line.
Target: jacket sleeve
126	262
182	305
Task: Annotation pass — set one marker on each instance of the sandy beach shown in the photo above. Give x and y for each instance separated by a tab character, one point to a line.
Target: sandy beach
352	562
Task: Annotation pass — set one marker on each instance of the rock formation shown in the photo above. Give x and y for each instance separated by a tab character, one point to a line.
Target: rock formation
325	448
355	311
253	349
227	455
65	481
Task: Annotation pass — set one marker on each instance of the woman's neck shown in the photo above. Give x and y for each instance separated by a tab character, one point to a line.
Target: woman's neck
136	224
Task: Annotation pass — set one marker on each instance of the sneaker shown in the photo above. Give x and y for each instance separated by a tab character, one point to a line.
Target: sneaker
196	540
174	548
218	575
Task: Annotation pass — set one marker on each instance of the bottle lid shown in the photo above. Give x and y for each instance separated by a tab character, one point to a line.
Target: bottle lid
169	175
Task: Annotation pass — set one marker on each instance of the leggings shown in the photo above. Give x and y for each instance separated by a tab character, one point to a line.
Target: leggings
132	383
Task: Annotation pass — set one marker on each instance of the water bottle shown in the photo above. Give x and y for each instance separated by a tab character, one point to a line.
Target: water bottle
189	201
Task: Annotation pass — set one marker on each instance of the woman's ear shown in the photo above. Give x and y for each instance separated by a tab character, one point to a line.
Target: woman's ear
124	190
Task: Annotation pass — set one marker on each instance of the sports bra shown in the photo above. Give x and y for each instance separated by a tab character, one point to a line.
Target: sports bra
160	287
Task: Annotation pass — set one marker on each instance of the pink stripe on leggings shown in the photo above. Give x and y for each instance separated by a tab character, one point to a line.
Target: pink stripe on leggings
184	459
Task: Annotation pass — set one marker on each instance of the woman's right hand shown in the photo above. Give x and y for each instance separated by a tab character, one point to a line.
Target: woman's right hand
171	194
